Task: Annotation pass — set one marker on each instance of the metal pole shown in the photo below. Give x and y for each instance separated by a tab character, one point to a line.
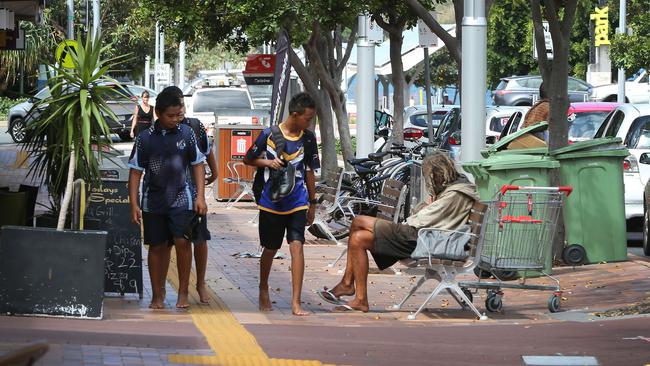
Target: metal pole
147	72
427	85
96	21
622	29
181	65
365	90
70	9
162	47
155	56
474	70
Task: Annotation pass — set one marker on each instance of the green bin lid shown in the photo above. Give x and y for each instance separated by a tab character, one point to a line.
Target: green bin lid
606	143
618	152
523	161
503	143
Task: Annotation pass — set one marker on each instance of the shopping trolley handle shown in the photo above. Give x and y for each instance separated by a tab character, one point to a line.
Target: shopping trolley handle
566	189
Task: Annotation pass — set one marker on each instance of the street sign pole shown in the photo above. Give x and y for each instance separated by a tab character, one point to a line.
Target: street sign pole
427	84
621	71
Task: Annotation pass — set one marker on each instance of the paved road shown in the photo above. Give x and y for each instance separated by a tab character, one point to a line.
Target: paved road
616	342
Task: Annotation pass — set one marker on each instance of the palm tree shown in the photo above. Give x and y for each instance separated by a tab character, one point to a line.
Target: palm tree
69	134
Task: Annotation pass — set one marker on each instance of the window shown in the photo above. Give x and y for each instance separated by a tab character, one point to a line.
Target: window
644	79
447	121
575	85
583	125
497	123
639	134
420	120
533	83
209	100
615	124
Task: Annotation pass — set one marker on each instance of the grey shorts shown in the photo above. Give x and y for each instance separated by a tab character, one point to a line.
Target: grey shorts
393	242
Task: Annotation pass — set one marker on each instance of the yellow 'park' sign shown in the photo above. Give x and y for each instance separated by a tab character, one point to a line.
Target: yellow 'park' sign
601	30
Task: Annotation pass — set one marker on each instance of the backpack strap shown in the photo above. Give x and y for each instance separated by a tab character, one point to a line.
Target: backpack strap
278	139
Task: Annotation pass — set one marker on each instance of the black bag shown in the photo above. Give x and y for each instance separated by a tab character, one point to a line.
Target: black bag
283	180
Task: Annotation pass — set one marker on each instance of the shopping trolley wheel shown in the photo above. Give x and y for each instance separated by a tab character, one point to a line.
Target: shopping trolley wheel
554	303
481	273
493	303
574	255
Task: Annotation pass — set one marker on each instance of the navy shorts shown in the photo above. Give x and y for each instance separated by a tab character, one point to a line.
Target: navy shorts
273	227
163	228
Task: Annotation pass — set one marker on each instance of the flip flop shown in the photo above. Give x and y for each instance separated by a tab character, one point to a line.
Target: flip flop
344	308
327	295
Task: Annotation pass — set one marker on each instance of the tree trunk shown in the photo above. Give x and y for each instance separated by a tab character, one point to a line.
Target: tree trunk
67	197
323	111
397	78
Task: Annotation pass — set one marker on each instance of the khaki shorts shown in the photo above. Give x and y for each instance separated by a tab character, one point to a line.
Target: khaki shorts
393	242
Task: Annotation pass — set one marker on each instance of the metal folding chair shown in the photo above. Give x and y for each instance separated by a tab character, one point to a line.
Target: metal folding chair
245	186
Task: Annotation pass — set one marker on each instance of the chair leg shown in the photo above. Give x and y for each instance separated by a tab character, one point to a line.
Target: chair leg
433	294
241	195
254	219
231	202
410	293
345	250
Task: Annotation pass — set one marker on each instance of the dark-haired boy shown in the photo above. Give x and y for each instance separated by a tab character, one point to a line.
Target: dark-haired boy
295	211
164	153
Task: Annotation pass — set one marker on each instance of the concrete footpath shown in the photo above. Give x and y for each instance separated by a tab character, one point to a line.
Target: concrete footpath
231	331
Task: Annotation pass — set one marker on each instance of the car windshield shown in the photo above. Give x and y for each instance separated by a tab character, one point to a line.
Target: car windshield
208	101
583	125
420	119
44	93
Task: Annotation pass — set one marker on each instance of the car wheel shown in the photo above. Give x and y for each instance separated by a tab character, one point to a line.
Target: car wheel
646	232
17	130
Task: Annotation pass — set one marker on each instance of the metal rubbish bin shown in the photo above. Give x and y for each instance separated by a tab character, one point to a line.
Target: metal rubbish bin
594	216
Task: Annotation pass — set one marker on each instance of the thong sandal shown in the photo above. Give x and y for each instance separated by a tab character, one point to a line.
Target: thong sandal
327	295
344	308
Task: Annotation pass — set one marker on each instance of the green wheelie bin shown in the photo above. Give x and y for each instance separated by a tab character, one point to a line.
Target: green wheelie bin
594	215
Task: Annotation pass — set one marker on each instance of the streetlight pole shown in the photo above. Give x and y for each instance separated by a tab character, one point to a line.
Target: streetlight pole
473	79
622	26
70	10
365	89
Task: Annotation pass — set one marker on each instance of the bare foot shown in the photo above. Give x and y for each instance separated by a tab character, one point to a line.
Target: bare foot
157	301
183	302
297	310
204	298
265	300
342	290
357	304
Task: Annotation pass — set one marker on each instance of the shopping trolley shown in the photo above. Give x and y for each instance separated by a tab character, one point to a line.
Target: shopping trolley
518	238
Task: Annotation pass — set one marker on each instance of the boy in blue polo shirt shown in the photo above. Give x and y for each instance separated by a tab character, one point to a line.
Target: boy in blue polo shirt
295	211
164	153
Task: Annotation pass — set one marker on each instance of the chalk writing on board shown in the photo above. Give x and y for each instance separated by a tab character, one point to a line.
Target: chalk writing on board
109	203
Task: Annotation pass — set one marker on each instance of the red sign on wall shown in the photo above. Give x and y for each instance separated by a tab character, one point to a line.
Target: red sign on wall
240	141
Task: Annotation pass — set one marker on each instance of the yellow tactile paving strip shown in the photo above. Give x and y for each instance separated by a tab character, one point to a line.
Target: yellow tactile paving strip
232	344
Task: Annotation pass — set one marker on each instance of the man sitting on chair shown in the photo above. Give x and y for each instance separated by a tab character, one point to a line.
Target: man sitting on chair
451	199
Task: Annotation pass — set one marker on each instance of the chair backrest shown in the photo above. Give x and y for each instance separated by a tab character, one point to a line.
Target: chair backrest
391	199
232	169
476	220
332	186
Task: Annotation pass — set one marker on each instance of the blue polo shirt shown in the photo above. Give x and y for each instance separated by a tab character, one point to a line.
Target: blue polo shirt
165	156
302	153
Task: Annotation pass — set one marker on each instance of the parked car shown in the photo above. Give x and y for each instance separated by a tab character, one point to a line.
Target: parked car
224	105
631	122
122	104
524	90
416	117
448	136
137	91
584	120
636	90
646	220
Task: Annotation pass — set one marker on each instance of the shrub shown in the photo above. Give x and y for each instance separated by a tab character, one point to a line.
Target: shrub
6	103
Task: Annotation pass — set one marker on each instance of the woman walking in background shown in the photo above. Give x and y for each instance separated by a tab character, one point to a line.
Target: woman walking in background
143	115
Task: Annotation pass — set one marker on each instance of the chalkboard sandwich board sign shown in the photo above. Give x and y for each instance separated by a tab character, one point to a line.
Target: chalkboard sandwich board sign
109	204
48	272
